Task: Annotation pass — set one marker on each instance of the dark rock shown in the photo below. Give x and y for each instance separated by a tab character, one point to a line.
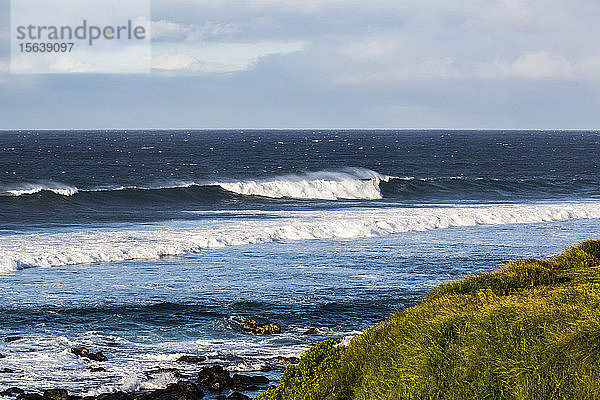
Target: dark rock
265	368
260	380
6	371
177	391
158	371
97	356
191	359
243	382
97	369
83	352
238	396
12	339
251	326
214	378
11	391
311	331
30	396
1	356
80	351
71	397
56	394
115	396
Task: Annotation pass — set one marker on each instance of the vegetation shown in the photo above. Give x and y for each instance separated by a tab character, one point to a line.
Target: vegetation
529	330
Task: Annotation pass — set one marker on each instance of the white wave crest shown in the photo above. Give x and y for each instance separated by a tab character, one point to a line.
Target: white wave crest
350	184
19	251
32	188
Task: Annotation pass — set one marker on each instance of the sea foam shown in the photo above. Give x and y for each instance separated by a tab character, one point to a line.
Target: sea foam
19	251
351	184
32	188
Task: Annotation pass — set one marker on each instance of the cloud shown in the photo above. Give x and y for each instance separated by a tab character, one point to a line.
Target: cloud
388	59
218	57
540	65
164	30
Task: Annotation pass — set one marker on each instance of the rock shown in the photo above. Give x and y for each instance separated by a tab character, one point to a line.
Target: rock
12	339
159	371
115	396
238	396
242	382
215	378
311	331
56	394
11	391
177	391
251	326
6	371
97	356
260	380
97	369
288	360
30	396
191	359
2	356
83	352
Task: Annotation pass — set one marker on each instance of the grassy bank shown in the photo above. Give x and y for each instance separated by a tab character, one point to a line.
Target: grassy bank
529	330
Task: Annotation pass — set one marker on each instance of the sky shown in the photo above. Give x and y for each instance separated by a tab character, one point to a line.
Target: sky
329	64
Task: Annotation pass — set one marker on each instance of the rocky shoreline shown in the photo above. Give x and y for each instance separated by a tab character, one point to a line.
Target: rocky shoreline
210	379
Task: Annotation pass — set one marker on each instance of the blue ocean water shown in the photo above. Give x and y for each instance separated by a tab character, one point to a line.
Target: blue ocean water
152	244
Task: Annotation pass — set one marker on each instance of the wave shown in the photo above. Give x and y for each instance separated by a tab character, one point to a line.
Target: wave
345	184
33	188
18	251
349	183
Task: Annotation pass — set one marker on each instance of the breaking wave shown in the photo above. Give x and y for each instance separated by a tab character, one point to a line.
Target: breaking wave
19	251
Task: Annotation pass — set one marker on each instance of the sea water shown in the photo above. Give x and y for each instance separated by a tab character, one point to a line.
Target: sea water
148	245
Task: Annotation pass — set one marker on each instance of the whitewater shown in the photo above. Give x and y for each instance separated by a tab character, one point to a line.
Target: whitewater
348	183
18	251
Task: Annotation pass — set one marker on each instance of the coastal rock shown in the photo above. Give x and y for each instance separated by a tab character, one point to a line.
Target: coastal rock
115	396
177	391
260	380
6	371
12	339
238	396
2	356
11	391
242	382
251	326
288	360
97	369
83	352
191	359
160	371
214	378
56	394
312	331
30	396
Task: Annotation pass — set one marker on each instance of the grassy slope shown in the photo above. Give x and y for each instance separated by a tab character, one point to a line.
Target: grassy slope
530	330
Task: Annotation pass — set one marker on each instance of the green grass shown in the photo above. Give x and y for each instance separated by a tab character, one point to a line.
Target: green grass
529	330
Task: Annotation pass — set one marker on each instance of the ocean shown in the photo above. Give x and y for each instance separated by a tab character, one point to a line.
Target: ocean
148	245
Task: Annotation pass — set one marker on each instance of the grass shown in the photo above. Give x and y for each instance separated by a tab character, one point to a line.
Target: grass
529	330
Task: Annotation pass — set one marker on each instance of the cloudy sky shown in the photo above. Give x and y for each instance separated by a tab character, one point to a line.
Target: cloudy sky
505	64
